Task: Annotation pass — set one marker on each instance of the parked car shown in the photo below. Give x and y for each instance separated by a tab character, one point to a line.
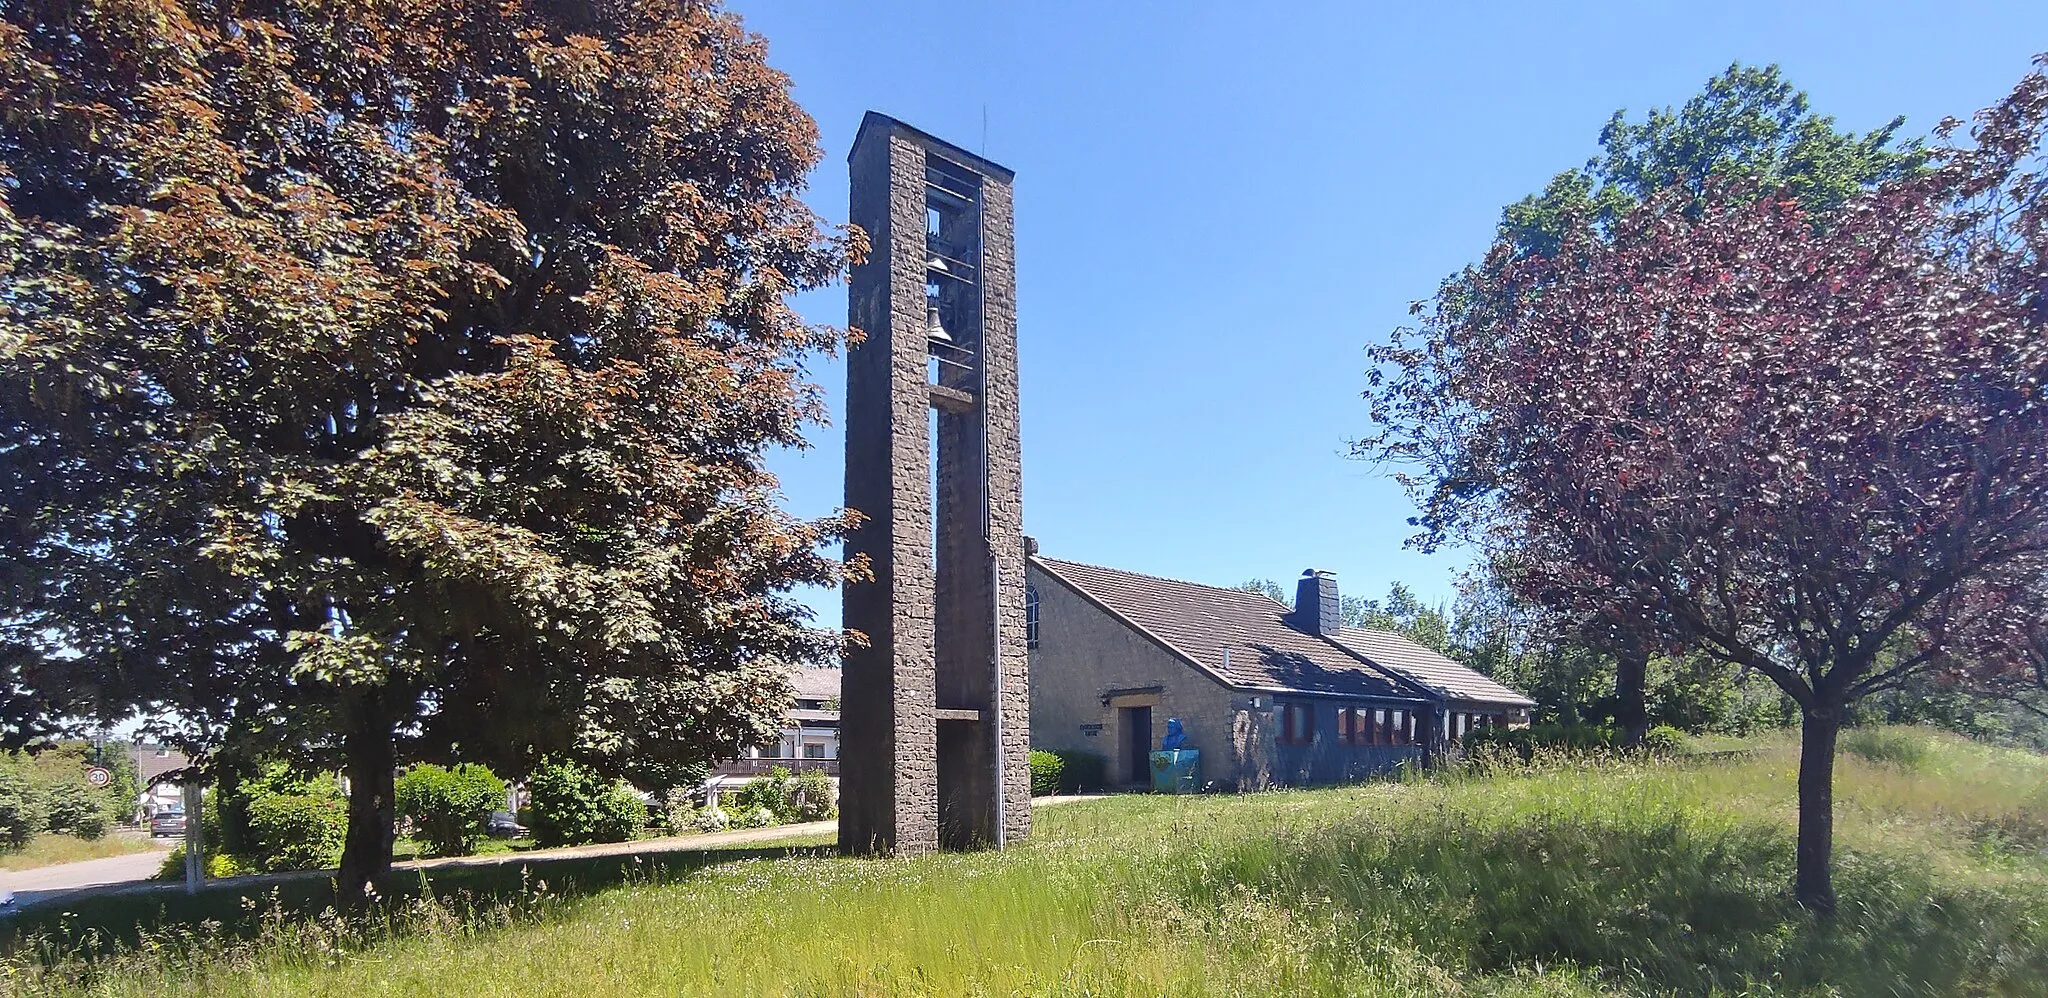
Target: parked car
502	825
166	823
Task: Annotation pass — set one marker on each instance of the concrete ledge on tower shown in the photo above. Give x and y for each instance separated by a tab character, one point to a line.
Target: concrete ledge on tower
947	399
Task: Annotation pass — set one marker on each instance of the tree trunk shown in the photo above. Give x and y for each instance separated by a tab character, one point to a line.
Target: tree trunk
1631	713
370	758
1814	883
231	768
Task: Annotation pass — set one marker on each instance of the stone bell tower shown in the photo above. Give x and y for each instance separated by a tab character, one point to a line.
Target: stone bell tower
934	711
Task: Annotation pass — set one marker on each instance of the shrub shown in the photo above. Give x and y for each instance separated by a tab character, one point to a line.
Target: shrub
759	817
711	819
1664	740
449	808
1046	769
678	811
21	810
1525	742
301	823
297	831
816	799
1081	771
1901	747
73	808
219	865
776	793
571	804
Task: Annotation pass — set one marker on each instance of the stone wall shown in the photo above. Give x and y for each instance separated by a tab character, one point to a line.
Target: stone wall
888	766
937	703
1089	664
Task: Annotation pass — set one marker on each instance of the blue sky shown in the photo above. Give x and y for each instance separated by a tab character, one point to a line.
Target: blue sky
1219	206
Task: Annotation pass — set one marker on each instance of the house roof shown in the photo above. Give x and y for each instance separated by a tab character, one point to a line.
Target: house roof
1392	651
1199	622
815	684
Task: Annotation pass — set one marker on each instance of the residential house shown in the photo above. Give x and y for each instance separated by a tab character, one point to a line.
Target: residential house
154	763
809	738
1267	694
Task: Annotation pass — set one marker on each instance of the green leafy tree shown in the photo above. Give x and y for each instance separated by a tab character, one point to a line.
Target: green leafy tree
1354	611
377	380
1498	633
1748	127
74	808
22	812
124	785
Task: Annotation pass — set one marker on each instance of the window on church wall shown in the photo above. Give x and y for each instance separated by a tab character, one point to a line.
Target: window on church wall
1030	615
1355	726
1297	724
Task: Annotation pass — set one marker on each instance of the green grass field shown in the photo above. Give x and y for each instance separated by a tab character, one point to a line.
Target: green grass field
1602	879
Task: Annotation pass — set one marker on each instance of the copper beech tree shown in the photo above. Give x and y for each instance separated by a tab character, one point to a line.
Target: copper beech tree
1749	130
1816	451
391	379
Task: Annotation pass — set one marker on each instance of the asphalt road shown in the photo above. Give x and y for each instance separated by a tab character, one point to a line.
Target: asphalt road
45	882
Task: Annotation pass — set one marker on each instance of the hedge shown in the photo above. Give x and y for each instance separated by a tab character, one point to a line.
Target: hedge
1066	771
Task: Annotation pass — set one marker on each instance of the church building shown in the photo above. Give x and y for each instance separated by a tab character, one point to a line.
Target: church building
1269	695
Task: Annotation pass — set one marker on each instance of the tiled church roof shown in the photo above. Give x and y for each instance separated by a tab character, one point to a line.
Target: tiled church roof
1392	651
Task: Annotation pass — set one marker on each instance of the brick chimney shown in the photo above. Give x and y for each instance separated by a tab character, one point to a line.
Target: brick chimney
1315	603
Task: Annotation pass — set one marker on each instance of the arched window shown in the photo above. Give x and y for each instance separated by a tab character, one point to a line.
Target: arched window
1030	615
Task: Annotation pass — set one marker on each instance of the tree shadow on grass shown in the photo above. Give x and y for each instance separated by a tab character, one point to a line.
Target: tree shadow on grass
1664	904
98	923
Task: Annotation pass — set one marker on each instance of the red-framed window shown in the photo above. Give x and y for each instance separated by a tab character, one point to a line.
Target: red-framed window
1354	726
1375	726
1297	724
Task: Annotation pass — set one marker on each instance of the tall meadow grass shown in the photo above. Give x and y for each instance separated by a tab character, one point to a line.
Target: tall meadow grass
1558	877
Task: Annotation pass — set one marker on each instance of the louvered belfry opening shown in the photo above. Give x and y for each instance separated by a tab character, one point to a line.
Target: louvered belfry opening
934	729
